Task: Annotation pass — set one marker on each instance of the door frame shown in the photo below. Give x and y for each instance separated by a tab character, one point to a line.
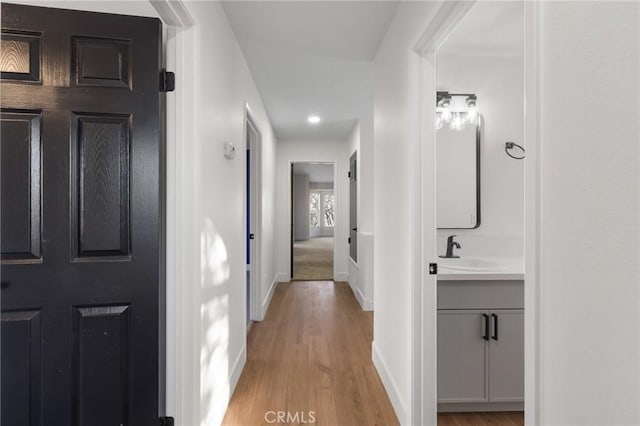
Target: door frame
422	75
182	213
255	250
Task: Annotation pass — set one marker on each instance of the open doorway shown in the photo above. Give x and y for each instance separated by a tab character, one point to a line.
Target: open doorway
313	213
252	217
474	97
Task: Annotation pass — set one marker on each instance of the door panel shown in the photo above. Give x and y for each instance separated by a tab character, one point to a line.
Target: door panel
462	356
20	170
353	207
80	217
21	350
506	359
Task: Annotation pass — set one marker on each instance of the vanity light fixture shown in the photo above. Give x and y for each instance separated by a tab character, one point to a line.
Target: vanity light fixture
457	110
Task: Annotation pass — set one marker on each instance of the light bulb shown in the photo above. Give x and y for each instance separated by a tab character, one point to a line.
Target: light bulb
446	114
472	115
457	122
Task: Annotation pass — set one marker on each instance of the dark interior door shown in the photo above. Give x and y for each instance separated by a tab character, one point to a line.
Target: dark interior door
353	207
80	224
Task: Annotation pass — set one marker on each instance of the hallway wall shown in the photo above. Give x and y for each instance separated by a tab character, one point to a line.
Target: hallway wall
292	151
223	85
392	201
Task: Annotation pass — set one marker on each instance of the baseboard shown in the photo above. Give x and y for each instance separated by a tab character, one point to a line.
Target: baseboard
283	277
366	305
236	370
341	276
267	300
467	407
389	385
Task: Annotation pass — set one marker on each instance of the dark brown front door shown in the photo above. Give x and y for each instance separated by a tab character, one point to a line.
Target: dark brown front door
80	224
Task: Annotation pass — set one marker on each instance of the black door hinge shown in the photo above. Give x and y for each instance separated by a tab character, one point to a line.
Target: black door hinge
167	81
166	421
348	174
252	236
349	240
433	269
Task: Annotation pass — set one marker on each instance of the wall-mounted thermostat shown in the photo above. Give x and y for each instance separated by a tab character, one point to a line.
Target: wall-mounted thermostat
229	151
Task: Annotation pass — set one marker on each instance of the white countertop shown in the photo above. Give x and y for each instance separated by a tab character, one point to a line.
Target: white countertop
511	269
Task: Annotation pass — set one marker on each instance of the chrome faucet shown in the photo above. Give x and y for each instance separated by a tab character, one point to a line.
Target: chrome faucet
450	245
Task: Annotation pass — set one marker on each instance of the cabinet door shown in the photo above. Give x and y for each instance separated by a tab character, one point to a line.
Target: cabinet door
506	356
462	356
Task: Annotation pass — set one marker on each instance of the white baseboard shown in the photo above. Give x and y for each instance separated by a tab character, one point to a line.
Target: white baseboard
283	277
366	305
341	276
236	370
389	385
267	300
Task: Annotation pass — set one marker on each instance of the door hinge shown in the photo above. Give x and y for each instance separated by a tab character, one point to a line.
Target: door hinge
166	421
349	240
348	174
167	81
252	236
433	269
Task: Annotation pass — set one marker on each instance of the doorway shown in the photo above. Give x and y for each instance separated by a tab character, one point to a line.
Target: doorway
313	213
485	336
252	217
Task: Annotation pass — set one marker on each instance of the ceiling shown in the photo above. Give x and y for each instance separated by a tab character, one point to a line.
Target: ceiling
317	172
312	57
490	28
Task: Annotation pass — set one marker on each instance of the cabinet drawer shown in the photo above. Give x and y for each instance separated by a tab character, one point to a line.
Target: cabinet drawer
481	294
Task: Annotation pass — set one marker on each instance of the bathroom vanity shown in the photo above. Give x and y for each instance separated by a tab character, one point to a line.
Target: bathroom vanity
481	339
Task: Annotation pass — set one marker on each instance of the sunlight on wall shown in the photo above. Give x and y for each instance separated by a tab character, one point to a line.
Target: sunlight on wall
214	315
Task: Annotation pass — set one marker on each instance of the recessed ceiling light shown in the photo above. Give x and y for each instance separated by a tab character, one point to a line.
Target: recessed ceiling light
313	119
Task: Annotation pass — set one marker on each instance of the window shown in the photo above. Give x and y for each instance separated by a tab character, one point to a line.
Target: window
327	207
314	210
321	209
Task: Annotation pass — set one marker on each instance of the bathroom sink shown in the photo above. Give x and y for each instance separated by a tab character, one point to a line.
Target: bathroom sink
470	264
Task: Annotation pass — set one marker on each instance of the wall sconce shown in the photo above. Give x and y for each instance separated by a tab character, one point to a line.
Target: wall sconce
457	110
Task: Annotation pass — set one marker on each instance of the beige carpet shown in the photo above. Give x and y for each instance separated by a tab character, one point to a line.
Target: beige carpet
313	259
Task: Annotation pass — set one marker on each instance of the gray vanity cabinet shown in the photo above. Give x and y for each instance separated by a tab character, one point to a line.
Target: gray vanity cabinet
480	346
506	357
462	356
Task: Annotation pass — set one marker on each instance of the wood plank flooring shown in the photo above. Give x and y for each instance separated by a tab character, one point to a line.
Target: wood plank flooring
312	353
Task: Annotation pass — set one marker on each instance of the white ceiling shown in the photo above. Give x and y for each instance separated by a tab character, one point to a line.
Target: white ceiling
489	28
317	172
312	57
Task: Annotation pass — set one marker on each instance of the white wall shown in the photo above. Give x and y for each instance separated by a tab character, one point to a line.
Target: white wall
223	86
499	84
300	207
589	213
290	151
392	204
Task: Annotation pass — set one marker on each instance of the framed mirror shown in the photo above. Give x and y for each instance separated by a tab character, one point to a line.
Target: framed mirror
458	177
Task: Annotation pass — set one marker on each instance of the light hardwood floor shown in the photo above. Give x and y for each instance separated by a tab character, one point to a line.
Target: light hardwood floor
312	352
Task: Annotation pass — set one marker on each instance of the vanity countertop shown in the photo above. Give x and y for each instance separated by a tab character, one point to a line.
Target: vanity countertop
510	269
